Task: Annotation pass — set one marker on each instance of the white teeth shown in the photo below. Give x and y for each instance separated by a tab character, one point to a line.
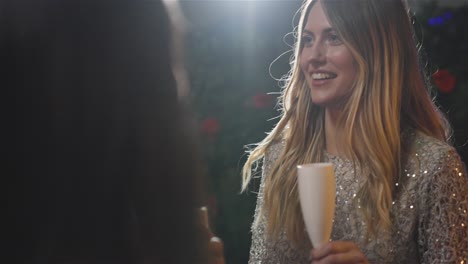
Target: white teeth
322	76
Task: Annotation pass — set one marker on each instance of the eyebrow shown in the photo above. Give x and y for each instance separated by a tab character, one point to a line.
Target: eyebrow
327	30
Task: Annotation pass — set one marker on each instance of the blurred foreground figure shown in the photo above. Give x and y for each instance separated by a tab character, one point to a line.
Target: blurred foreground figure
104	170
356	97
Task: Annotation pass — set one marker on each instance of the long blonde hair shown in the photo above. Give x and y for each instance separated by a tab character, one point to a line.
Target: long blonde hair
389	94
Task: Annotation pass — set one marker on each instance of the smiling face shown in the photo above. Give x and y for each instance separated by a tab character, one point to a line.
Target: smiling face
325	61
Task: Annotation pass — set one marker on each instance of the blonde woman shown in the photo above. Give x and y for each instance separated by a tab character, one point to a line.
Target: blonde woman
356	97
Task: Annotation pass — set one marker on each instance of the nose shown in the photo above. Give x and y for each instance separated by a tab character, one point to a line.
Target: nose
316	54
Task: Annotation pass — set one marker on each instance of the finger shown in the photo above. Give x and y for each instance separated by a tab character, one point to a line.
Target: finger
216	247
334	247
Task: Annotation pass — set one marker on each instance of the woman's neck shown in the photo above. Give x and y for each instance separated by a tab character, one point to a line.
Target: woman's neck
331	119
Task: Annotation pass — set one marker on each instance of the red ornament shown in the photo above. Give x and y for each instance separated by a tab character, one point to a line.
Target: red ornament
210	126
444	80
262	100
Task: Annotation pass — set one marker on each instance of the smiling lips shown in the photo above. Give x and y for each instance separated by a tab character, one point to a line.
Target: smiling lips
323	75
320	78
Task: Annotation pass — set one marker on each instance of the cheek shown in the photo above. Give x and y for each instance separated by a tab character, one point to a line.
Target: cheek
302	68
343	59
303	65
351	65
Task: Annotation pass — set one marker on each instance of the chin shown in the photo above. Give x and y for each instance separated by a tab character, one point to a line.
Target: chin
321	101
328	98
336	103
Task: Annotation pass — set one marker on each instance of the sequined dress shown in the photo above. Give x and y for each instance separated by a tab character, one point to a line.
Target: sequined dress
429	211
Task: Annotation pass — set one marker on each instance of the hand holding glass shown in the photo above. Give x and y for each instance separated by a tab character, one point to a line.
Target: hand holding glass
316	183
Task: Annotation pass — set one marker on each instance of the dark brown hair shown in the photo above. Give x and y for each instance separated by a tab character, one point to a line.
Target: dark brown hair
103	170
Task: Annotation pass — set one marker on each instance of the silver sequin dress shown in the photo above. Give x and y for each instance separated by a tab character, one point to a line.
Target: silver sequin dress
429	211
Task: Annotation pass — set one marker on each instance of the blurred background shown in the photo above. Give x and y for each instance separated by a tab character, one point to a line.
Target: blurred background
236	51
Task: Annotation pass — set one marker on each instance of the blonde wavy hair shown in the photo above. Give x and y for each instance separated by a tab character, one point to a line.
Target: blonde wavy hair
389	95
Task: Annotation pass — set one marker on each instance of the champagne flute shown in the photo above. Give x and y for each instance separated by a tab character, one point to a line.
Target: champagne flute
316	183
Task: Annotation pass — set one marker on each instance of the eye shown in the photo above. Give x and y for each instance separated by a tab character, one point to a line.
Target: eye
334	39
307	40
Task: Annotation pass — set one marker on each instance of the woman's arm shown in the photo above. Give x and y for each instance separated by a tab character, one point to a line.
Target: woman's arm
443	223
